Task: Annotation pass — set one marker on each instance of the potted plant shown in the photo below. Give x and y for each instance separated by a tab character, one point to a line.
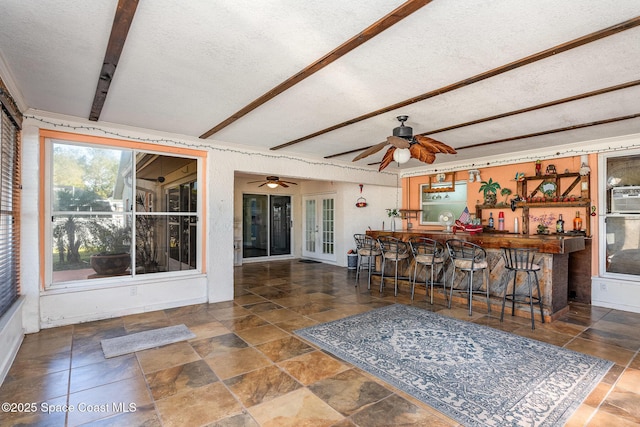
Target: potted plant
113	242
490	190
394	214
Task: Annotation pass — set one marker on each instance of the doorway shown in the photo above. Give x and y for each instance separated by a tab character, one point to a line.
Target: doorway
319	228
266	225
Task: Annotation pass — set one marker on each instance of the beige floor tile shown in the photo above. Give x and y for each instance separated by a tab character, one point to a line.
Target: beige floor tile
166	356
298	408
237	362
106	400
312	367
198	407
262	334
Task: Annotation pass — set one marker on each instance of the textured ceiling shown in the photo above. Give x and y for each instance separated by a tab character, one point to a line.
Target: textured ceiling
188	66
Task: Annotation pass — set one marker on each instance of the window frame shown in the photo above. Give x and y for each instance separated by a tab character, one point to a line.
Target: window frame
604	208
47	139
424	205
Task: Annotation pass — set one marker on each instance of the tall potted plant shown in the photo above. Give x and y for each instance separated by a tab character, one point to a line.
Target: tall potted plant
113	242
490	191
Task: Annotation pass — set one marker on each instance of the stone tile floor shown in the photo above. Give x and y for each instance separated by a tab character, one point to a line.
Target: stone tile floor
246	368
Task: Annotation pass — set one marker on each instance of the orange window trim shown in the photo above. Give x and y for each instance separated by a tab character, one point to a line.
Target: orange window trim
120	143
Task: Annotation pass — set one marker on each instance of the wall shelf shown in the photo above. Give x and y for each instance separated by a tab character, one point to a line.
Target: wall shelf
410	213
564	183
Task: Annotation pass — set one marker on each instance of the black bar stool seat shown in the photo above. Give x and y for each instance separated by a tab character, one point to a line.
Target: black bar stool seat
521	261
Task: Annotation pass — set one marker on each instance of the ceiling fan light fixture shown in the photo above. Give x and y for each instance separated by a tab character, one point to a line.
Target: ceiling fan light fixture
272	184
403	131
401	155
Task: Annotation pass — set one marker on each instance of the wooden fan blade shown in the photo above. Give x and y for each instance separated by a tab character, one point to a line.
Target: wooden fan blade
254	182
433	145
262	185
398	142
387	158
289	182
421	153
282	184
371	150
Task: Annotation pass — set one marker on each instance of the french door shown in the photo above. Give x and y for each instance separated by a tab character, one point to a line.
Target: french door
319	228
266	225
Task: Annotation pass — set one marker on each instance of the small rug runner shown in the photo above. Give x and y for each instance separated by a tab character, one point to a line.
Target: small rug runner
118	346
477	375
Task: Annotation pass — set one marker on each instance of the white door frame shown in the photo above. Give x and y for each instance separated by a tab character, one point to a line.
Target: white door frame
318	243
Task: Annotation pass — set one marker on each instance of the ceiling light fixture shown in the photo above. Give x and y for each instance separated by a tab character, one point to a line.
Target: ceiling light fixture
401	155
474	174
272	184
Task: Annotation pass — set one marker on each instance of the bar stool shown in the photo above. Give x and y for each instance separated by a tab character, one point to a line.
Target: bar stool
367	247
430	254
394	250
468	258
521	260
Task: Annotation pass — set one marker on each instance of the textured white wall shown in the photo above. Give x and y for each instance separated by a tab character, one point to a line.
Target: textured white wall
46	308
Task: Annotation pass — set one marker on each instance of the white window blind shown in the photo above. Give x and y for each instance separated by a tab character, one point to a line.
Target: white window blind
9	219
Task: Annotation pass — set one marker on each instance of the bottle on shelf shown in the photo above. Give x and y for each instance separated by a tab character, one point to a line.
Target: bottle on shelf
515	225
490	219
560	225
577	222
501	221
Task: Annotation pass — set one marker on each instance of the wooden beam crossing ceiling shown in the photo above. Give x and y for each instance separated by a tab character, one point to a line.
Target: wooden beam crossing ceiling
510	113
367	34
597	35
121	23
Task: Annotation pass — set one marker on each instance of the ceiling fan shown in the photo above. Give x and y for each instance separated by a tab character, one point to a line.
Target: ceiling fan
404	146
273	182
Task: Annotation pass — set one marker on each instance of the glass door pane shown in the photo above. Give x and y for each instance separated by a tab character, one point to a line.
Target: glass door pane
327	226
280	225
310	228
255	220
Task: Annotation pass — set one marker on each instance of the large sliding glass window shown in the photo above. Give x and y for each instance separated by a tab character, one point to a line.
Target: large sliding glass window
622	219
121	212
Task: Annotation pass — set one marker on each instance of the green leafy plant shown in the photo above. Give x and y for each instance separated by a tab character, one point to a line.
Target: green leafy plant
393	213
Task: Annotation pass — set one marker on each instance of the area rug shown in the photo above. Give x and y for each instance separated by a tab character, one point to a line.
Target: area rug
475	374
112	347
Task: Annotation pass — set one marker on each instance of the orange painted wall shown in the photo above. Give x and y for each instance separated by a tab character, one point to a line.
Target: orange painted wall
505	175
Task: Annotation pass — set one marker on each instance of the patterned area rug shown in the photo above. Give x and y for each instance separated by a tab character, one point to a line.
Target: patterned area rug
475	374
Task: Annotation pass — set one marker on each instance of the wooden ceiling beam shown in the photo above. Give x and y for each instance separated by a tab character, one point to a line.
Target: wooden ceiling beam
589	38
367	34
512	113
119	30
552	131
542	133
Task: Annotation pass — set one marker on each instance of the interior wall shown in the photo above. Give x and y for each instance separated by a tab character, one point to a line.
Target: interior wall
46	308
349	218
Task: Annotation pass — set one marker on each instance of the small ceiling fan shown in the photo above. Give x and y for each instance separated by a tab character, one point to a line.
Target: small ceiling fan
419	147
273	182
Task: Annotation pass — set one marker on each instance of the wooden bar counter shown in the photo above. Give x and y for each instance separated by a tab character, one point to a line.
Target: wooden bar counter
553	257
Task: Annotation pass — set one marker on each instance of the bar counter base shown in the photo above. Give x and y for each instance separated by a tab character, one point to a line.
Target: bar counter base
553	258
